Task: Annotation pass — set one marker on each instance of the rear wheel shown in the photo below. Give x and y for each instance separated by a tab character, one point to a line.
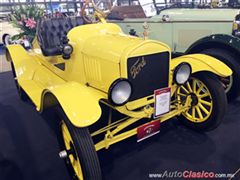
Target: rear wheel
230	84
21	93
78	151
208	104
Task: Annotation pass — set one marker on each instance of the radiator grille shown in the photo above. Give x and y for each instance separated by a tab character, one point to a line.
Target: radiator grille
148	73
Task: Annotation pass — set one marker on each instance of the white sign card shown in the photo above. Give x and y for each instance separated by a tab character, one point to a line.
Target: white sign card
148	7
162	101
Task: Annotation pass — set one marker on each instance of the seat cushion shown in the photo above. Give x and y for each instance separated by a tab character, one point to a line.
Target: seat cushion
50	33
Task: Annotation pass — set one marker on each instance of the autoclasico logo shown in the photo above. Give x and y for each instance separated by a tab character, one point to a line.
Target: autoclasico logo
187	174
202	174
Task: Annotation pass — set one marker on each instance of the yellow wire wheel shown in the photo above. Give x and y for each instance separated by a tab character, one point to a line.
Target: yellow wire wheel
201	105
73	158
208	101
80	154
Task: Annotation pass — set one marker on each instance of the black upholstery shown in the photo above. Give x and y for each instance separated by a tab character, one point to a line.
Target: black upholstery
50	33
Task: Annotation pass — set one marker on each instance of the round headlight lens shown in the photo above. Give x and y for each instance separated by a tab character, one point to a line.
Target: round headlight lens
120	92
182	73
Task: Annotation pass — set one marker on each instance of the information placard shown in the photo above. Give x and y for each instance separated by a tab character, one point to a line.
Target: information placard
162	101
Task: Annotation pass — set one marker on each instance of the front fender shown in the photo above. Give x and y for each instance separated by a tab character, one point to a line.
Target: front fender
201	62
223	41
80	103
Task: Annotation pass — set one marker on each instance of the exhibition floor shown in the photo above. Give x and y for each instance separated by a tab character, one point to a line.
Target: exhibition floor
29	149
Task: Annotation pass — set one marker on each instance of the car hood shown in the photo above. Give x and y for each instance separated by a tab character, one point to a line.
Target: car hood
197	14
106	41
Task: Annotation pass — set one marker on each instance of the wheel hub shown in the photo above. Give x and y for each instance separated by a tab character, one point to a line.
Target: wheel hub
66	153
194	99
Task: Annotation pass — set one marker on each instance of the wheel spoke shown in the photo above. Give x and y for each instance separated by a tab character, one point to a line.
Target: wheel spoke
204	95
181	94
194	113
224	85
205	102
203	108
67	137
65	134
200	89
185	89
199	112
67	142
225	80
189	87
194	86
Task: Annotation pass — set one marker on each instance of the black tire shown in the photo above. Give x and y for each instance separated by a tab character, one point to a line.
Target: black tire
219	103
5	39
230	60
83	147
21	93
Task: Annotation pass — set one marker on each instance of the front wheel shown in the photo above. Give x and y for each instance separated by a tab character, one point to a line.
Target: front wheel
78	151
208	104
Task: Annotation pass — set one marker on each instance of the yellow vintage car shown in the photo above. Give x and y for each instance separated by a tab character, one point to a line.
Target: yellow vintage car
85	70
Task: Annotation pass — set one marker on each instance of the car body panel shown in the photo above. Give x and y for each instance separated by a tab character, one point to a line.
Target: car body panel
188	15
201	62
183	27
111	50
81	104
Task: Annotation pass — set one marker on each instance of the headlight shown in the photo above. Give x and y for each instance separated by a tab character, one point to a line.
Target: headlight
182	73
119	92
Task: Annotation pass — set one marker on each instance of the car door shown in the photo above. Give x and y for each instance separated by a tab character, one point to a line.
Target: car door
193	25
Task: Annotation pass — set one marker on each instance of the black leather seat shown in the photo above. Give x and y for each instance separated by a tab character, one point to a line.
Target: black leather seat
50	33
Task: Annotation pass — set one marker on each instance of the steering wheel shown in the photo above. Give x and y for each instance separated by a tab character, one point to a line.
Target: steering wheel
93	10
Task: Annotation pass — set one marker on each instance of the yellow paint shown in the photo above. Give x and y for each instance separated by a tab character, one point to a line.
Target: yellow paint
80	103
201	62
99	58
112	137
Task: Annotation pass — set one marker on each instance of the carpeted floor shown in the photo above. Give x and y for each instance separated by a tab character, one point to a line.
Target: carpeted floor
29	149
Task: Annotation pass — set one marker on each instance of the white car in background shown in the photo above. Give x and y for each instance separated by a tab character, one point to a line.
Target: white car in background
6	31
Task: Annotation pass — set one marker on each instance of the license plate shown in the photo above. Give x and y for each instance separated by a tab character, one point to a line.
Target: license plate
147	130
162	101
